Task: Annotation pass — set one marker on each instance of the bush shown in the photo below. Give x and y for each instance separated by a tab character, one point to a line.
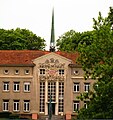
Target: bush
5	114
14	116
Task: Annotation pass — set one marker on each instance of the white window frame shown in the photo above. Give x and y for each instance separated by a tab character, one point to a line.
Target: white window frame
5	86
16	87
76	106
27	72
26	105
76	72
5	105
76	87
85	104
42	71
61	71
27	87
61	98
42	97
6	71
86	87
16	105
16	72
52	91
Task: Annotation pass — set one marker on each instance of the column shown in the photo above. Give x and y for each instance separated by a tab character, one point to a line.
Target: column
57	94
46	97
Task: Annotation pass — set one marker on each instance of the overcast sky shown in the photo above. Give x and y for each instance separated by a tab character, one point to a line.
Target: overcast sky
35	15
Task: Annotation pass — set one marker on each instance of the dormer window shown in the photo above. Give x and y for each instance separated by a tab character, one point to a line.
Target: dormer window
6	71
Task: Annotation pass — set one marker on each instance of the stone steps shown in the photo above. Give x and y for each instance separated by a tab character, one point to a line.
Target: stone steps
54	117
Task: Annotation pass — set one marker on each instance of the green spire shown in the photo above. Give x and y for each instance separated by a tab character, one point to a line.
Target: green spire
52	41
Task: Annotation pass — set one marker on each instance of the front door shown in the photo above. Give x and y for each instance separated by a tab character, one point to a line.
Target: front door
52	108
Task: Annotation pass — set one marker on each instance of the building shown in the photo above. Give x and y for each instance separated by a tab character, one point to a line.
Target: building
30	80
27	78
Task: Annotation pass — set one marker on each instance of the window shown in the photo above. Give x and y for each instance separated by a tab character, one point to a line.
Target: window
42	71
85	104
42	96
6	86
76	87
61	72
16	86
26	105
86	87
76	72
61	97
27	87
16	72
16	105
26	71
52	91
5	105
76	106
95	85
6	71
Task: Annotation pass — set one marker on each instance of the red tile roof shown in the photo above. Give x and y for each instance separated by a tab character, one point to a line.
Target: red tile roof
25	57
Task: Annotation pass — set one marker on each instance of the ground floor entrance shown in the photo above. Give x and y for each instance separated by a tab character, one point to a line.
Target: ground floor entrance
51	92
51	108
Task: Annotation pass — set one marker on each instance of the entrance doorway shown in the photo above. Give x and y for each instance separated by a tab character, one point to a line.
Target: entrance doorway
52	108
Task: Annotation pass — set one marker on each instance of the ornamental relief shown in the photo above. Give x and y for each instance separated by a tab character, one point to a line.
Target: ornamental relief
51	67
51	64
52	78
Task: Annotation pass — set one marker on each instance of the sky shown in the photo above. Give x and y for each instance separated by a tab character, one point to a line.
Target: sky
36	15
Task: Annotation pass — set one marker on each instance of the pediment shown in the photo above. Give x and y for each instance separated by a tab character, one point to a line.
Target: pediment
52	58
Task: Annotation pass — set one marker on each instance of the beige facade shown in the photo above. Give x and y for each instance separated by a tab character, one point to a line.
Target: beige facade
27	89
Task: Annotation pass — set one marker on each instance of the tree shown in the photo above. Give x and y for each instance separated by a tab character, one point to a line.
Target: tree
20	39
86	37
110	17
97	62
68	41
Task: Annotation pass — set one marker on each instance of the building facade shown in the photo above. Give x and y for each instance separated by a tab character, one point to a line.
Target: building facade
31	80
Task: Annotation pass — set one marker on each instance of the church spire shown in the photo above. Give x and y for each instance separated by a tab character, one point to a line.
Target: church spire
52	40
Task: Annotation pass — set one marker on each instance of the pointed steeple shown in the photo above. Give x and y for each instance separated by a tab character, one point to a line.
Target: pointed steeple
52	40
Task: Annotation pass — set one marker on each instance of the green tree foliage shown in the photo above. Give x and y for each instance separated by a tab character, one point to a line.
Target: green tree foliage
20	39
68	41
97	62
86	37
110	17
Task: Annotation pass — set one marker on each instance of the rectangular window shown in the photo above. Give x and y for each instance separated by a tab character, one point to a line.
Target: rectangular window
5	105
6	86
27	87
86	87
76	87
61	72
16	105
16	86
42	71
61	97
26	105
76	105
85	104
42	97
52	91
